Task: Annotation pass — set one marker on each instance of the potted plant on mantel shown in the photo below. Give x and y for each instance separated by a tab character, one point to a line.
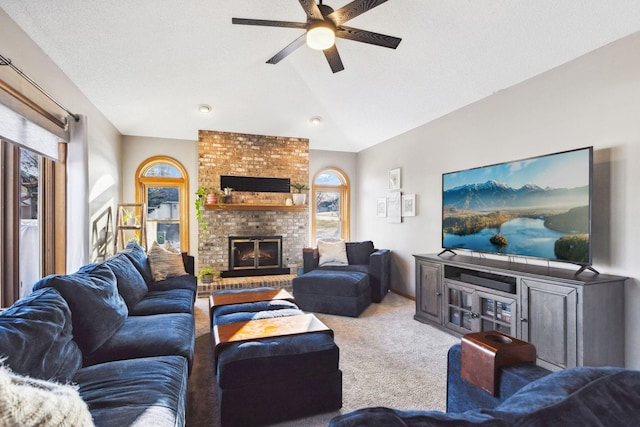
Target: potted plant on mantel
299	198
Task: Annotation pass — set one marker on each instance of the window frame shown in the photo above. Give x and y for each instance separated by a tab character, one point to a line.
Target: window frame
143	182
52	217
343	189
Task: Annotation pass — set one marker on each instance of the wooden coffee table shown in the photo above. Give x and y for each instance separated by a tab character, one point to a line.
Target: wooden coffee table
243	297
229	333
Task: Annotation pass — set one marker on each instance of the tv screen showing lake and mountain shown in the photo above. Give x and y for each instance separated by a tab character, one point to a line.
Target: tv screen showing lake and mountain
537	207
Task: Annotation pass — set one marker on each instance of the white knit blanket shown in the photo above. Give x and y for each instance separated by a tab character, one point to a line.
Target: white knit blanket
27	401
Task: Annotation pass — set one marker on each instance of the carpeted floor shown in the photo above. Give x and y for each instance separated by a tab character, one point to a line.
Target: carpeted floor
386	357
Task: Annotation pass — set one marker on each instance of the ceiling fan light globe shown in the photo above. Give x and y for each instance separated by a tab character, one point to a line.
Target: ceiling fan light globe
320	37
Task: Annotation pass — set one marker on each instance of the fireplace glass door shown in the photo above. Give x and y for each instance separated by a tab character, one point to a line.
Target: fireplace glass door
255	253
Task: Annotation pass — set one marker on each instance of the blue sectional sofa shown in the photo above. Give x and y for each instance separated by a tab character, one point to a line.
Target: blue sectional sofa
528	396
126	341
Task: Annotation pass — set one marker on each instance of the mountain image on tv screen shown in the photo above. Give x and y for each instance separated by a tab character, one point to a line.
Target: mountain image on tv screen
538	207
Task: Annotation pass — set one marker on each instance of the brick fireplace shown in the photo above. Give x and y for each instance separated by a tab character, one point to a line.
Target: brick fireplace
251	214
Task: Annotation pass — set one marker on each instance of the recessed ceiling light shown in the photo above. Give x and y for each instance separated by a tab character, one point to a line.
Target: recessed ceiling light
204	108
315	121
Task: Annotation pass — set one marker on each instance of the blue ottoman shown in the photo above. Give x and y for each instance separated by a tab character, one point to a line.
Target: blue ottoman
270	380
345	293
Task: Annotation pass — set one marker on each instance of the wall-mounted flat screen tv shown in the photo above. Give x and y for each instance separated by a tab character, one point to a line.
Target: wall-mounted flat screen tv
538	207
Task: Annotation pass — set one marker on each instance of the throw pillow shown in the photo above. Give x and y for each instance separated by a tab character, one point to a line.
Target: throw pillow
131	284
28	401
165	264
169	247
138	257
332	252
97	309
37	337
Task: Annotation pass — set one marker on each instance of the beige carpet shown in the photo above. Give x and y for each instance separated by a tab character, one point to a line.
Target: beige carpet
386	357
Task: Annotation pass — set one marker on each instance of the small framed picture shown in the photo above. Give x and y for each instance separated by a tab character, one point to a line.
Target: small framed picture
381	208
394	210
409	205
394	179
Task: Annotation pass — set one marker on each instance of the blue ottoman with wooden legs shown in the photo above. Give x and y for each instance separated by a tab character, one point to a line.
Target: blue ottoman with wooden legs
269	379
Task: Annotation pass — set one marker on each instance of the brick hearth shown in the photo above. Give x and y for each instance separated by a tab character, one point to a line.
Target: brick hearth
279	281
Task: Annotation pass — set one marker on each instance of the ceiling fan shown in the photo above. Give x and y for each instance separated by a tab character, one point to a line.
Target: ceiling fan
322	27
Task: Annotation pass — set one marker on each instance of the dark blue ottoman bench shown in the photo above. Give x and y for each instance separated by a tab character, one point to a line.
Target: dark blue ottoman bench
345	293
274	379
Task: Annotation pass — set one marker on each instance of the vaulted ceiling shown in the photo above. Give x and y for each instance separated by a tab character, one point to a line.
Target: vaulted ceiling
148	64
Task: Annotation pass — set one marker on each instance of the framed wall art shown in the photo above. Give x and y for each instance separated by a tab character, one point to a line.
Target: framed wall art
409	205
394	210
394	179
381	208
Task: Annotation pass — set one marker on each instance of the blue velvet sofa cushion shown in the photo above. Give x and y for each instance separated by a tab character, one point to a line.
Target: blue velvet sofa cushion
343	283
131	284
252	307
269	360
137	392
167	301
138	258
359	252
245	316
146	336
97	308
388	417
576	397
37	339
188	282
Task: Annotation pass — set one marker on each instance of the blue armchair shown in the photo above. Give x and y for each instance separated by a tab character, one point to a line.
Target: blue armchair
364	258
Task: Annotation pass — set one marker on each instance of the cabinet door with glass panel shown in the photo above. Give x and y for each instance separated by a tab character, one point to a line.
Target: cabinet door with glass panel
497	313
462	308
472	310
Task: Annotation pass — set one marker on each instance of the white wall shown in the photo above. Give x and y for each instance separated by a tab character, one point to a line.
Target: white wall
136	149
346	162
593	100
99	152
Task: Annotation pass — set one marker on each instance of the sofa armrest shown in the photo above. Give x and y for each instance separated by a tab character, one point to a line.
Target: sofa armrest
189	263
379	273
310	259
463	396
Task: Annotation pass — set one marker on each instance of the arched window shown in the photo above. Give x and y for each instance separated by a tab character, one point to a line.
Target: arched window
163	184
330	210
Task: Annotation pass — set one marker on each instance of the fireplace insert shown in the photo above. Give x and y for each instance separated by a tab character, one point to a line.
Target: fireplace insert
255	256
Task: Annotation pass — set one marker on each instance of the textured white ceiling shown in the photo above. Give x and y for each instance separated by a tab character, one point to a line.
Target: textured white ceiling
148	64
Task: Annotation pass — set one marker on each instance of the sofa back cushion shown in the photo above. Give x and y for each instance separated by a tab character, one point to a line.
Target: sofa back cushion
578	396
131	284
358	252
138	257
36	337
97	309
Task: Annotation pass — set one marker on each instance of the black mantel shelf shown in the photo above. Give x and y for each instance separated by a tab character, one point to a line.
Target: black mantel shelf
252	207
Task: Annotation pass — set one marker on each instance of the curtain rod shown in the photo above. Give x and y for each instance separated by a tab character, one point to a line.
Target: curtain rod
7	61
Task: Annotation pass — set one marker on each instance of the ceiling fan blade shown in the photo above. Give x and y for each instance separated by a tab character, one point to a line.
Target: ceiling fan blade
333	57
370	37
287	50
312	10
353	9
268	23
